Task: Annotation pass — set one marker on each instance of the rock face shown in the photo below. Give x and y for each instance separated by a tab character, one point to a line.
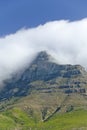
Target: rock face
43	69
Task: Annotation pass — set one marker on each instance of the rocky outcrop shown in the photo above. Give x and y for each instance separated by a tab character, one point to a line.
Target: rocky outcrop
43	69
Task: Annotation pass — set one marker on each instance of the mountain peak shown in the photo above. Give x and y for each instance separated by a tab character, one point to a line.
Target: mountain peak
45	70
43	56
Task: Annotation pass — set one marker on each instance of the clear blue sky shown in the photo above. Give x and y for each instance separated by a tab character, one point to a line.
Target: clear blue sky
16	14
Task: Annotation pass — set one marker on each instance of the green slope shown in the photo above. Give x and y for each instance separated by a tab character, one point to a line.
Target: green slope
7	123
32	112
68	121
16	119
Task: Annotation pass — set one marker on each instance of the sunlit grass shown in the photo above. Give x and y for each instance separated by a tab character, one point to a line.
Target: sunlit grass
15	118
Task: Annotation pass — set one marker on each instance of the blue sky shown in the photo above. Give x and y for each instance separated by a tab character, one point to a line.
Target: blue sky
62	39
16	14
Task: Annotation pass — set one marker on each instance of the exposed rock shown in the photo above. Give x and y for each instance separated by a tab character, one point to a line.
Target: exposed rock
43	69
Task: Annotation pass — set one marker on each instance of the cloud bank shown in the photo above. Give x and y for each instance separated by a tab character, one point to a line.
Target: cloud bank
65	40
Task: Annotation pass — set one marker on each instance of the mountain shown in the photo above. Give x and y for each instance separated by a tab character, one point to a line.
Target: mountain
46	95
69	78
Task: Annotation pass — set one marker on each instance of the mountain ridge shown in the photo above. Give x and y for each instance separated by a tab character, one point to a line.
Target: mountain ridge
45	92
43	69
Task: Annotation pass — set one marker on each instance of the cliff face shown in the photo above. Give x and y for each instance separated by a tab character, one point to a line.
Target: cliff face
65	77
44	69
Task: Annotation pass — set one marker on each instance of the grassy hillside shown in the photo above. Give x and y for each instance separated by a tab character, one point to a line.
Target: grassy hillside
40	111
16	119
46	96
68	121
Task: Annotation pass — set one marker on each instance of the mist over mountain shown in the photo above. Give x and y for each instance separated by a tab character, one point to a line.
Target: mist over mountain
45	91
43	69
64	40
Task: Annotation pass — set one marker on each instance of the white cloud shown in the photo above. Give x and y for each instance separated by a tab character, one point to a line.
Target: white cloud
65	40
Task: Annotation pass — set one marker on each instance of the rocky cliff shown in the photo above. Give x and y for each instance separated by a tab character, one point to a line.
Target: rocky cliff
45	76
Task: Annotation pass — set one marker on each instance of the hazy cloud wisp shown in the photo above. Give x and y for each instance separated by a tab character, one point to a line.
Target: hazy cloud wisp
66	41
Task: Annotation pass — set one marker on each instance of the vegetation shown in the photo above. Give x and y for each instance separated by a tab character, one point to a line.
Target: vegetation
47	96
44	111
16	119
